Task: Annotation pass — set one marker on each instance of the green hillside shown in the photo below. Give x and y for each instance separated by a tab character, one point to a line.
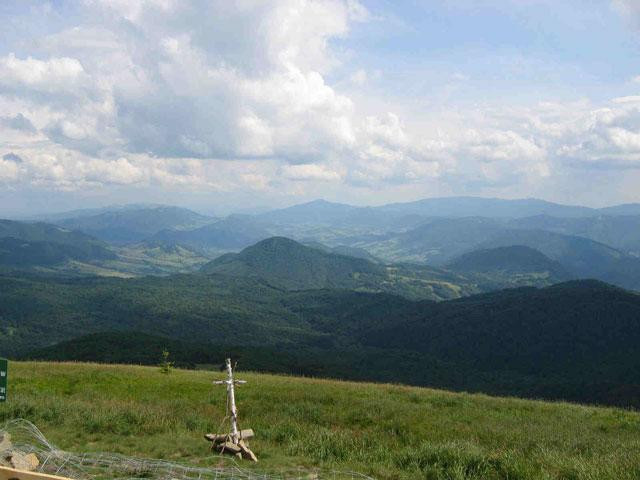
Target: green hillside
576	340
386	431
25	245
287	264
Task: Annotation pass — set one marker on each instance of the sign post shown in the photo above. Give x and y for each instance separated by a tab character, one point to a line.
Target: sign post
4	373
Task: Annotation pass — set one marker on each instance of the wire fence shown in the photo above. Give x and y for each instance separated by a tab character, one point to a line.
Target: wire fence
26	438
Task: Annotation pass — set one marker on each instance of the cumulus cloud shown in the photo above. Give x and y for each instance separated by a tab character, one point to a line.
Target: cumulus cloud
17	122
222	95
309	171
359	77
52	75
629	9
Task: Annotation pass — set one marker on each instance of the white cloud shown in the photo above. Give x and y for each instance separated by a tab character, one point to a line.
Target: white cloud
17	122
309	171
359	77
53	75
630	9
223	95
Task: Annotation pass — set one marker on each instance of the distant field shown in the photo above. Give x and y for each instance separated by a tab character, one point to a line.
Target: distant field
386	431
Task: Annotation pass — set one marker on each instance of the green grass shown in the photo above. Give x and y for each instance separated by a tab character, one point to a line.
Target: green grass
386	431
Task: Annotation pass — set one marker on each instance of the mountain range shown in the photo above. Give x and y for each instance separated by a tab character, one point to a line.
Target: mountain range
131	225
474	294
152	239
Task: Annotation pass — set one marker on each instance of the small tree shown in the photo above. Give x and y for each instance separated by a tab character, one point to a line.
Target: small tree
165	364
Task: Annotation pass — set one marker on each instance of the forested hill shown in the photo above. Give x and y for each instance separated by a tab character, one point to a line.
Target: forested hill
576	340
26	244
512	259
287	264
514	265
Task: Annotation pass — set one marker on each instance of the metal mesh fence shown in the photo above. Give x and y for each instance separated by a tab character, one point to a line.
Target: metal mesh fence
26	438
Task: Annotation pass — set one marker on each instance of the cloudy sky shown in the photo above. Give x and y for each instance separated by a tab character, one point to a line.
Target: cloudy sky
223	105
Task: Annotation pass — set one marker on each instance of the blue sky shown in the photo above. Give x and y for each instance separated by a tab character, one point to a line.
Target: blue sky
554	50
226	106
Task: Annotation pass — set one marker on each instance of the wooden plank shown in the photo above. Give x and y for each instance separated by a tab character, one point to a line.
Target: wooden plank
7	473
216	437
246	452
229	447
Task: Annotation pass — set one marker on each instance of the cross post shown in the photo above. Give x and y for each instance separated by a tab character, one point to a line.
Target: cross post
230	382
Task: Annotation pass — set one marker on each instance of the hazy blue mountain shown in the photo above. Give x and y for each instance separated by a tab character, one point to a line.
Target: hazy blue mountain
88	212
231	233
318	212
512	259
28	246
582	257
331	222
619	231
398	216
486	207
26	254
439	241
344	250
134	224
48	242
624	209
436	242
512	266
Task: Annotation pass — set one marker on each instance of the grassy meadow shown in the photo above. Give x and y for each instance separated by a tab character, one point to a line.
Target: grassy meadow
386	431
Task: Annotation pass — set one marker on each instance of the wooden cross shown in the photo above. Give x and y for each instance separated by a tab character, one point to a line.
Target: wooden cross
230	382
233	442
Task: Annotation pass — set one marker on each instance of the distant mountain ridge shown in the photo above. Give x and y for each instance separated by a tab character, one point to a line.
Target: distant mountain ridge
510	259
618	231
438	241
322	211
32	244
231	233
493	207
588	242
130	225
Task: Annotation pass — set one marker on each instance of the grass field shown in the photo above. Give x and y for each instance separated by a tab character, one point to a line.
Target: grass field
385	431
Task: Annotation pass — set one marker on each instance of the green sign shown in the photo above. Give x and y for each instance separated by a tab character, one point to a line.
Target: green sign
4	373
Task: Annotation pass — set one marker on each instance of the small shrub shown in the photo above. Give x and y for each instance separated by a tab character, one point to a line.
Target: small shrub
165	365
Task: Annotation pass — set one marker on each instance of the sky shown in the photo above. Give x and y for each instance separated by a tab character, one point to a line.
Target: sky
228	106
